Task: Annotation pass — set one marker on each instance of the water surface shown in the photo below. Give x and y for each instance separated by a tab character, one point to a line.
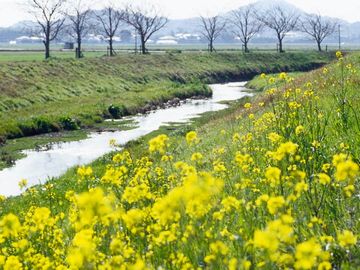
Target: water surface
38	166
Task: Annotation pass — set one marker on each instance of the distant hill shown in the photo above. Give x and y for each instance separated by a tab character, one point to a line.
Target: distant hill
188	30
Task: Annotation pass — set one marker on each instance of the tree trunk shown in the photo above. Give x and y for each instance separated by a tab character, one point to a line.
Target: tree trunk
111	46
280	46
143	45
47	48
319	46
47	41
211	46
78	53
246	47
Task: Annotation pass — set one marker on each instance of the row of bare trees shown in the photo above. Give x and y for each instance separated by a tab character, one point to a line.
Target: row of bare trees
53	17
246	22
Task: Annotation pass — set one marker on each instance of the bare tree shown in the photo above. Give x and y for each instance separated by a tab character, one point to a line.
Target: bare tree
80	26
212	27
110	19
146	21
281	21
245	24
49	16
318	28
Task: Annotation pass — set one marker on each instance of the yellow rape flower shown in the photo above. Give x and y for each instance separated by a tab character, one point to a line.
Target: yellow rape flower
84	172
273	174
13	263
284	149
219	247
266	240
138	265
271	80
300	187
325	167
197	157
275	203
233	264
167	158
261	199
219	166
324	179
191	138
10	225
346	170
271	91
325	266
92	206
230	203
274	137
306	254
42	218
135	194
349	190
159	144
299	130
246	265
133	219
346	238
82	250
282	76
23	183
337	159
247	106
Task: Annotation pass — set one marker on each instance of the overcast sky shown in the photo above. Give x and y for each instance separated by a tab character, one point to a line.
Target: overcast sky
12	11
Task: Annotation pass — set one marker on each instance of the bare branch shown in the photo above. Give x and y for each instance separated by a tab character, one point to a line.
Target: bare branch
281	21
317	27
110	20
146	21
212	28
79	24
245	24
49	16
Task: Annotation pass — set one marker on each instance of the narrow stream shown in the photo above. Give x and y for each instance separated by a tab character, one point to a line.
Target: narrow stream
38	166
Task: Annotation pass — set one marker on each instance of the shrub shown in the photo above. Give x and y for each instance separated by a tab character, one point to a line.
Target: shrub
69	123
28	128
44	125
117	111
2	140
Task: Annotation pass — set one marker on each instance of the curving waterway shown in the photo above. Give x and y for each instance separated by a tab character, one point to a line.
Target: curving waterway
38	166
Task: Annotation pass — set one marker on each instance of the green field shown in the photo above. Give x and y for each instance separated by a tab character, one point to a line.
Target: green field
270	184
22	56
35	52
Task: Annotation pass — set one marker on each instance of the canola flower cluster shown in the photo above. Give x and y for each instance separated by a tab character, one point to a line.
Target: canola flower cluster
271	192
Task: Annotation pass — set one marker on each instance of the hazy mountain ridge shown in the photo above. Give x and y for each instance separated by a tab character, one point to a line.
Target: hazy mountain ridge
188	30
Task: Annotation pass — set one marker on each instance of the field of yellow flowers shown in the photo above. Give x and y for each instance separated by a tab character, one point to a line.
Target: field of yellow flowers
277	187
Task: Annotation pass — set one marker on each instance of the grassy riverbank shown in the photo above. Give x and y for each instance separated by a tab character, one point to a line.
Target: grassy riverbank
47	96
270	184
56	95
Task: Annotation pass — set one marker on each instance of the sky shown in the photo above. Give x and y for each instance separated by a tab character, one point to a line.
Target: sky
13	11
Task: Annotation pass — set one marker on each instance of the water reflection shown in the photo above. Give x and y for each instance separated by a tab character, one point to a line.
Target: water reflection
39	166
